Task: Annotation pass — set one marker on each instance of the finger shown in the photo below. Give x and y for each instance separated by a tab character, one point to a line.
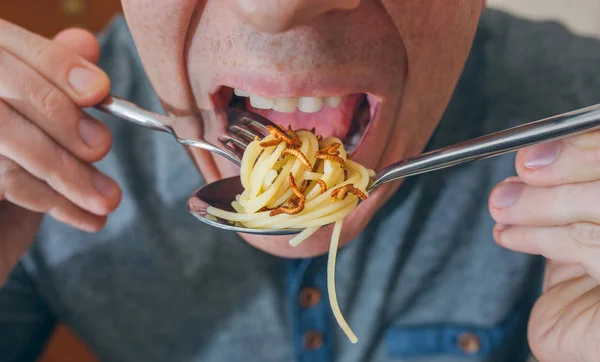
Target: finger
81	80
34	151
566	310
81	42
572	160
20	188
578	243
557	272
50	109
516	203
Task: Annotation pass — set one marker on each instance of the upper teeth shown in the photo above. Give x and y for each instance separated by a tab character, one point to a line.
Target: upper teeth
240	93
289	105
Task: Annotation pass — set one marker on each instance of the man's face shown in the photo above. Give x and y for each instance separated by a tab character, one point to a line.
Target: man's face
394	63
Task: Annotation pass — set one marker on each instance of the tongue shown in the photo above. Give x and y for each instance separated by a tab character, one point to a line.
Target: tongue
328	121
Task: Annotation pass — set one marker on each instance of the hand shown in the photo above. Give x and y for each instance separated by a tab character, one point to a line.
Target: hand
553	209
47	143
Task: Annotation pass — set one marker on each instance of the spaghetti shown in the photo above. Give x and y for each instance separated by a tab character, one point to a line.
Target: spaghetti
330	188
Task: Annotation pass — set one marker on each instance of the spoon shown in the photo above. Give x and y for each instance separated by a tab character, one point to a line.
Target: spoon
221	193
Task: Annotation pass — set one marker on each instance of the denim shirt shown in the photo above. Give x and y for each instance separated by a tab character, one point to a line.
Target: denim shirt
423	282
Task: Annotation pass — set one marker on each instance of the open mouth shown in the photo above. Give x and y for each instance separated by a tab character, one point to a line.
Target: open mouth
346	117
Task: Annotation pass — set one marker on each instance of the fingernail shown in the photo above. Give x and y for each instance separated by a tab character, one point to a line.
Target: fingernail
507	194
103	184
91	132
83	80
541	155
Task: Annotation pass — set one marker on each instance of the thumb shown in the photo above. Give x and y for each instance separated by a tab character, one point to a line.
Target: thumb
81	41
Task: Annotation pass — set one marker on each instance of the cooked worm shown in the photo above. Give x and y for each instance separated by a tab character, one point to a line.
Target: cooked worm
358	193
270	143
341	192
289	210
322	185
293	135
304	186
334	158
297	154
332	149
282	136
294	187
294	199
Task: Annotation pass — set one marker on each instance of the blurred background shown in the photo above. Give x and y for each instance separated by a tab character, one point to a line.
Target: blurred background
581	16
47	17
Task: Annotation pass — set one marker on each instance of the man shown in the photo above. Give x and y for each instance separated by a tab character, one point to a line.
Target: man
420	276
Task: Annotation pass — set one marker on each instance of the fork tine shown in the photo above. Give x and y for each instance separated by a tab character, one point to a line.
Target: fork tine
253	124
232	138
243	131
262	128
237	147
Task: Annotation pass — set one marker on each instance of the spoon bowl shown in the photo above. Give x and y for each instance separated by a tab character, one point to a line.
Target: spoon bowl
220	194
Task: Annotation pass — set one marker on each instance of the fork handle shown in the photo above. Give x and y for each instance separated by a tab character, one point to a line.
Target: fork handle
494	144
130	112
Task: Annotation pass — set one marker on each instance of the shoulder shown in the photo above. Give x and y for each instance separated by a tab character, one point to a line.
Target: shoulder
519	71
538	68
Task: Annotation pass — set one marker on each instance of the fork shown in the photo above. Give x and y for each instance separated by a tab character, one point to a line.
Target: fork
243	127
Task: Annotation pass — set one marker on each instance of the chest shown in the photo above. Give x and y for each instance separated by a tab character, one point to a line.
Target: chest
158	285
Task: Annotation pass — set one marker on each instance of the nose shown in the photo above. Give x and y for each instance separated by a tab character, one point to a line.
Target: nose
281	15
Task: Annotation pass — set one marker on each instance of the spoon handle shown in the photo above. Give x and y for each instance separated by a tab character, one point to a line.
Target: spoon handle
494	144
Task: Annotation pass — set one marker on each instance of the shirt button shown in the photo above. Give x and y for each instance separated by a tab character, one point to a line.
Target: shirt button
313	340
469	343
309	297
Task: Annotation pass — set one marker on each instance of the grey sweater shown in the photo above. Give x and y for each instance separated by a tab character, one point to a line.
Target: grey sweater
157	285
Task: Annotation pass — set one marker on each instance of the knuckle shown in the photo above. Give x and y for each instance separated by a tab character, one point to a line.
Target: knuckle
6	119
585	234
3	57
40	53
50	101
66	161
10	176
566	202
64	164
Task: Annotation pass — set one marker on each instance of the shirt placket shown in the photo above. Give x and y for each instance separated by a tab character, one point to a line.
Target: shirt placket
311	323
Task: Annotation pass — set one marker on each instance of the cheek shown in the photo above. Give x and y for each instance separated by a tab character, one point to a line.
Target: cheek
160	28
438	35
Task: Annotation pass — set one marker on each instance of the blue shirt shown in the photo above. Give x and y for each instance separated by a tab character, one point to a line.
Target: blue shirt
423	282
